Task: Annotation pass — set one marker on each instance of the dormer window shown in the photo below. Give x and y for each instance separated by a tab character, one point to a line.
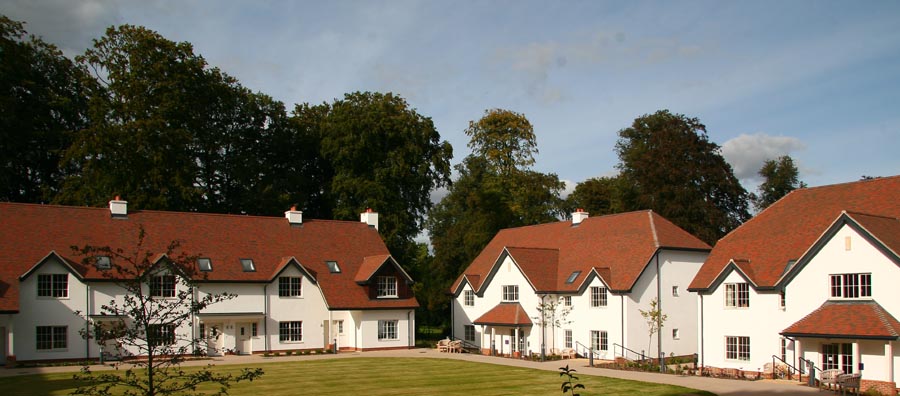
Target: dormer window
333	267
248	265
572	277
387	286
205	264
103	263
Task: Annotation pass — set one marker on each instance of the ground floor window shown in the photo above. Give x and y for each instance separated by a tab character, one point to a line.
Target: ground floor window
599	340
469	331
837	356
387	329
339	324
52	337
254	329
161	334
737	348
290	331
568	338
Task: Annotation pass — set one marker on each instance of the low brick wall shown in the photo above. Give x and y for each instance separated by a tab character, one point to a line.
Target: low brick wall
882	387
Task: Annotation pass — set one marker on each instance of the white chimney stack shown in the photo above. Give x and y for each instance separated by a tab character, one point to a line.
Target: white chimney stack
118	207
369	217
294	216
578	216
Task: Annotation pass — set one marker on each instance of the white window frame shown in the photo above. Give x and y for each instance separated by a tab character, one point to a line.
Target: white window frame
599	340
737	295
469	298
163	286
290	331
54	338
567	338
53	285
290	286
599	297
675	291
510	293
387	287
161	334
567	301
737	348
387	330
851	286
676	335
340	326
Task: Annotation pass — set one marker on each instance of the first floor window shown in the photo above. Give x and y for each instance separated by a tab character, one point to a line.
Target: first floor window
387	329
290	286
837	356
162	286
599	340
469	332
568	338
851	285
737	348
387	286
161	334
598	296
737	295
290	331
511	293
567	301
470	298
53	285
675	334
51	337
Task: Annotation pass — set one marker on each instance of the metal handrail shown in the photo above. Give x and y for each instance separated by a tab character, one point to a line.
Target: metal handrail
792	368
590	352
624	355
466	345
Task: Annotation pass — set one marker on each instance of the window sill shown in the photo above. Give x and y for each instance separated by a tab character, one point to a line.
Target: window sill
290	342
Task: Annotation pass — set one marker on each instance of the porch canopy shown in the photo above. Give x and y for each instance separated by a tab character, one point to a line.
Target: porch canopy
505	314
850	319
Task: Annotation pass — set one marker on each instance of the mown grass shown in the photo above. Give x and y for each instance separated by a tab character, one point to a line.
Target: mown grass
383	376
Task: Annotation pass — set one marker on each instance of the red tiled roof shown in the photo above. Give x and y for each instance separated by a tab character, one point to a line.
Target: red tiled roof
884	229
505	314
29	232
548	253
846	319
369	266
785	230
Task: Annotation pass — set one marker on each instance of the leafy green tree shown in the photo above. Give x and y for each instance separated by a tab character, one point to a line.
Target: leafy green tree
505	139
598	196
668	164
496	189
655	319
780	176
43	99
376	152
159	330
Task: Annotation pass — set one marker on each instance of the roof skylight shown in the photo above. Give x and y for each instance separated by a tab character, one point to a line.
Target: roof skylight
205	264
572	277
333	266
248	265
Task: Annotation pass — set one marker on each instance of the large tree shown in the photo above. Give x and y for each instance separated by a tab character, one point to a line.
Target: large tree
669	165
496	189
597	196
375	152
42	101
780	176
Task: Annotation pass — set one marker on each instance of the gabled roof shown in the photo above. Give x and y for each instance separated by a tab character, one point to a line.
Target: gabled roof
619	246
782	233
372	264
30	232
847	319
505	314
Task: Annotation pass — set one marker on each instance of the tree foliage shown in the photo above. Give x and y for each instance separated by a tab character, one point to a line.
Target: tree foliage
159	329
43	100
496	189
597	196
780	176
668	164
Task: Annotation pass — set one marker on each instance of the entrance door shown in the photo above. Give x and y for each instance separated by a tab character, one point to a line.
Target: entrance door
244	343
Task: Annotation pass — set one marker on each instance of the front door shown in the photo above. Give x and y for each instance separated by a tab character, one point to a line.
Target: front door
244	343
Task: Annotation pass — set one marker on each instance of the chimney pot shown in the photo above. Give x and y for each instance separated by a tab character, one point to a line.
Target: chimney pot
579	216
294	216
369	217
118	207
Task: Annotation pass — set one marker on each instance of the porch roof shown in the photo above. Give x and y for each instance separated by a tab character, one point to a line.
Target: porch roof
505	314
847	319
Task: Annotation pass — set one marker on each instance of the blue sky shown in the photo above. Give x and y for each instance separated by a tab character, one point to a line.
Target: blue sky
818	80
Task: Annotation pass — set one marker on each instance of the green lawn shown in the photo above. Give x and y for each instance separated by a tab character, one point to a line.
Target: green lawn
384	376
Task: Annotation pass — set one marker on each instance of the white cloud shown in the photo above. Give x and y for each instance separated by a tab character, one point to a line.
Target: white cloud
70	25
747	153
568	189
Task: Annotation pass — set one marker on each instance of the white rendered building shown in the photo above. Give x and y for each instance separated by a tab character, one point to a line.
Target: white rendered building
300	285
812	277
602	270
